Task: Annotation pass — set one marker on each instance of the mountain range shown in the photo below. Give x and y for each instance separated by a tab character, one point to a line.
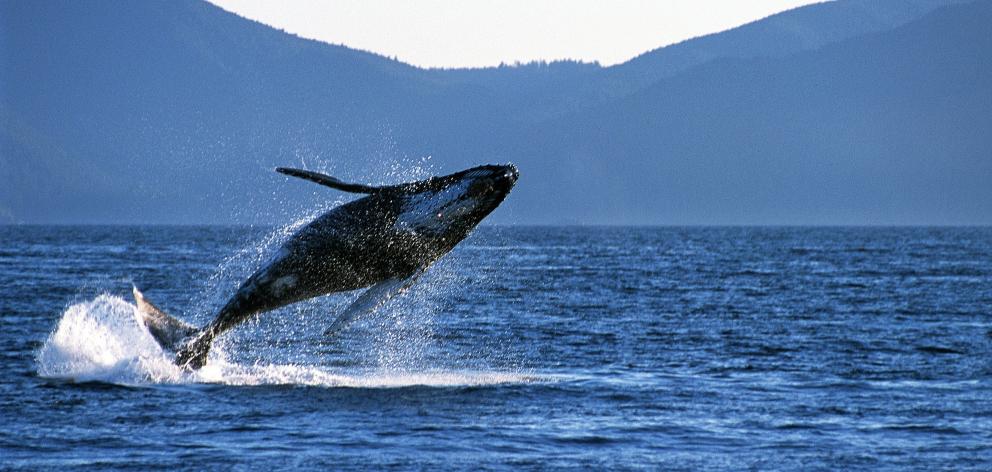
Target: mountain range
846	112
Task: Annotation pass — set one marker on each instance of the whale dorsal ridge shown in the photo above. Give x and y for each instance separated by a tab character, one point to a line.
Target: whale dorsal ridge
328	181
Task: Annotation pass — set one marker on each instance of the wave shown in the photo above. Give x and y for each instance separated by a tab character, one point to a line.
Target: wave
104	340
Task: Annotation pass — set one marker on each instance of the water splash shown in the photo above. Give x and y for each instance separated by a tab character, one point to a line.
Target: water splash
104	340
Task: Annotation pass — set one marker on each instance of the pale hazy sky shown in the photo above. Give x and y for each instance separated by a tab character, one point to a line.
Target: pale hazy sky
474	33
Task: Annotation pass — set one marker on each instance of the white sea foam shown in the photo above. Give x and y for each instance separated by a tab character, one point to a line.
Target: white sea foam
104	340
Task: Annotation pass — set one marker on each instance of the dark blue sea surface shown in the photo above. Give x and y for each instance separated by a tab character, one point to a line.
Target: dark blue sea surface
525	348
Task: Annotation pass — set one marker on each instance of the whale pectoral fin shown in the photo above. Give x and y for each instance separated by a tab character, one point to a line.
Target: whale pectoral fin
168	331
373	298
328	181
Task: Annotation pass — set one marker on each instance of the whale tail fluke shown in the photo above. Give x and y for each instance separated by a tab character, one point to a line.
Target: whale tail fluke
169	332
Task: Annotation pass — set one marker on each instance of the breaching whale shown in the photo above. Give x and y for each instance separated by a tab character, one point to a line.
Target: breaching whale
383	241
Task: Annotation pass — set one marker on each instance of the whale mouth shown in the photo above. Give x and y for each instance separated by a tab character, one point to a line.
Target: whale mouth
508	178
512	173
495	185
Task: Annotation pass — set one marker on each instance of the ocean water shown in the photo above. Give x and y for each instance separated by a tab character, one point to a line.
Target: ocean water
525	348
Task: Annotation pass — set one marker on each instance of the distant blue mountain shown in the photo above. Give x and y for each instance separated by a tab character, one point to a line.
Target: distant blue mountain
541	90
849	112
887	128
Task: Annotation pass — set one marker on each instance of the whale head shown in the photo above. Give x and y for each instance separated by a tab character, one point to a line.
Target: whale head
450	206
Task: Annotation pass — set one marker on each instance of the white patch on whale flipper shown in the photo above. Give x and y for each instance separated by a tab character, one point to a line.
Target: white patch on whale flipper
373	298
